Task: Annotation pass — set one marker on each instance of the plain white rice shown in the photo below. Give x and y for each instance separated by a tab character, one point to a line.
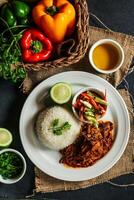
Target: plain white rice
46	135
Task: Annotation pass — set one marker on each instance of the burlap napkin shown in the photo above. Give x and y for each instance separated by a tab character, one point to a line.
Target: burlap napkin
126	41
45	183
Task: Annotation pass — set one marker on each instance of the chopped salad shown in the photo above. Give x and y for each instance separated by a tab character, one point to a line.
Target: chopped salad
90	106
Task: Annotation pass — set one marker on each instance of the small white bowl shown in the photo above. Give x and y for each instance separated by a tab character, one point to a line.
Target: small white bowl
97	91
120	52
16	179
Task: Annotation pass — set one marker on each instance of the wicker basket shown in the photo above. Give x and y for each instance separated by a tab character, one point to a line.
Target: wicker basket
81	44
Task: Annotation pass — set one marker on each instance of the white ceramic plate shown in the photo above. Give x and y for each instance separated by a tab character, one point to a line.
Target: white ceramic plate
48	160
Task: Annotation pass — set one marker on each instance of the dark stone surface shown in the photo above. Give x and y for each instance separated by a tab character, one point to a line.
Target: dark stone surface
118	15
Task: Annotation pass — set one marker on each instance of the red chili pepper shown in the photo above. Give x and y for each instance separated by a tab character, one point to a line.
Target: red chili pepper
102	109
35	46
91	100
77	104
82	108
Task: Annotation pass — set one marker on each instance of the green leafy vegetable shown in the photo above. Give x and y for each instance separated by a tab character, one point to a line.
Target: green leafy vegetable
11	165
10	55
58	130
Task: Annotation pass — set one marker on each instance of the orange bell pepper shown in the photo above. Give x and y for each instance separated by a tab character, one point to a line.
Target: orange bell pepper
56	18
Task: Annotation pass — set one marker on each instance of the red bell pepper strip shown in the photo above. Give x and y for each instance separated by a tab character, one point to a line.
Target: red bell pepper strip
82	108
102	109
35	46
77	104
91	100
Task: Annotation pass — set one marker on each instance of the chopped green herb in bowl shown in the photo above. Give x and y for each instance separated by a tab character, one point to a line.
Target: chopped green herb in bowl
12	166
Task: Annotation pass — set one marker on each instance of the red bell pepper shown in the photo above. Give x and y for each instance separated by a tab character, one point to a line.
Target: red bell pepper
35	46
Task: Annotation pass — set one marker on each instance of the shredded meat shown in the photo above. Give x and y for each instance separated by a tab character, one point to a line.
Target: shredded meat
92	144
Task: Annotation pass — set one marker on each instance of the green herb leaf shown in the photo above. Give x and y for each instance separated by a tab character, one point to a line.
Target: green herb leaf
66	126
10	56
58	130
11	165
55	122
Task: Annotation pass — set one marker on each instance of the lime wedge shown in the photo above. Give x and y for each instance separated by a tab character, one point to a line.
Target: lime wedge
5	137
61	93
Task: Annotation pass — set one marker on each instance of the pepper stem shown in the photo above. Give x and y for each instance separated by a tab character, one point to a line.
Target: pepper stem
36	46
52	10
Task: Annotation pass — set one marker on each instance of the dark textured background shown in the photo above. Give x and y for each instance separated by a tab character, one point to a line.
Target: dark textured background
119	16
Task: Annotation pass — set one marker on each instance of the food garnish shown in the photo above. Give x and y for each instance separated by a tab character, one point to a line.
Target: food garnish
90	106
59	129
11	165
91	145
5	137
56	19
35	46
61	93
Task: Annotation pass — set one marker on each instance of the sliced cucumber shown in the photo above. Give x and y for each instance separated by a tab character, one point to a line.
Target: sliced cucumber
88	113
92	120
85	103
101	101
98	99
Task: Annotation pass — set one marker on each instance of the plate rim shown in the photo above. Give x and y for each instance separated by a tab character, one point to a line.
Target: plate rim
120	152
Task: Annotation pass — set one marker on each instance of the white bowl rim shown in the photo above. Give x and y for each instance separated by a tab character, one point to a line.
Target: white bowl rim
16	179
119	48
83	90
